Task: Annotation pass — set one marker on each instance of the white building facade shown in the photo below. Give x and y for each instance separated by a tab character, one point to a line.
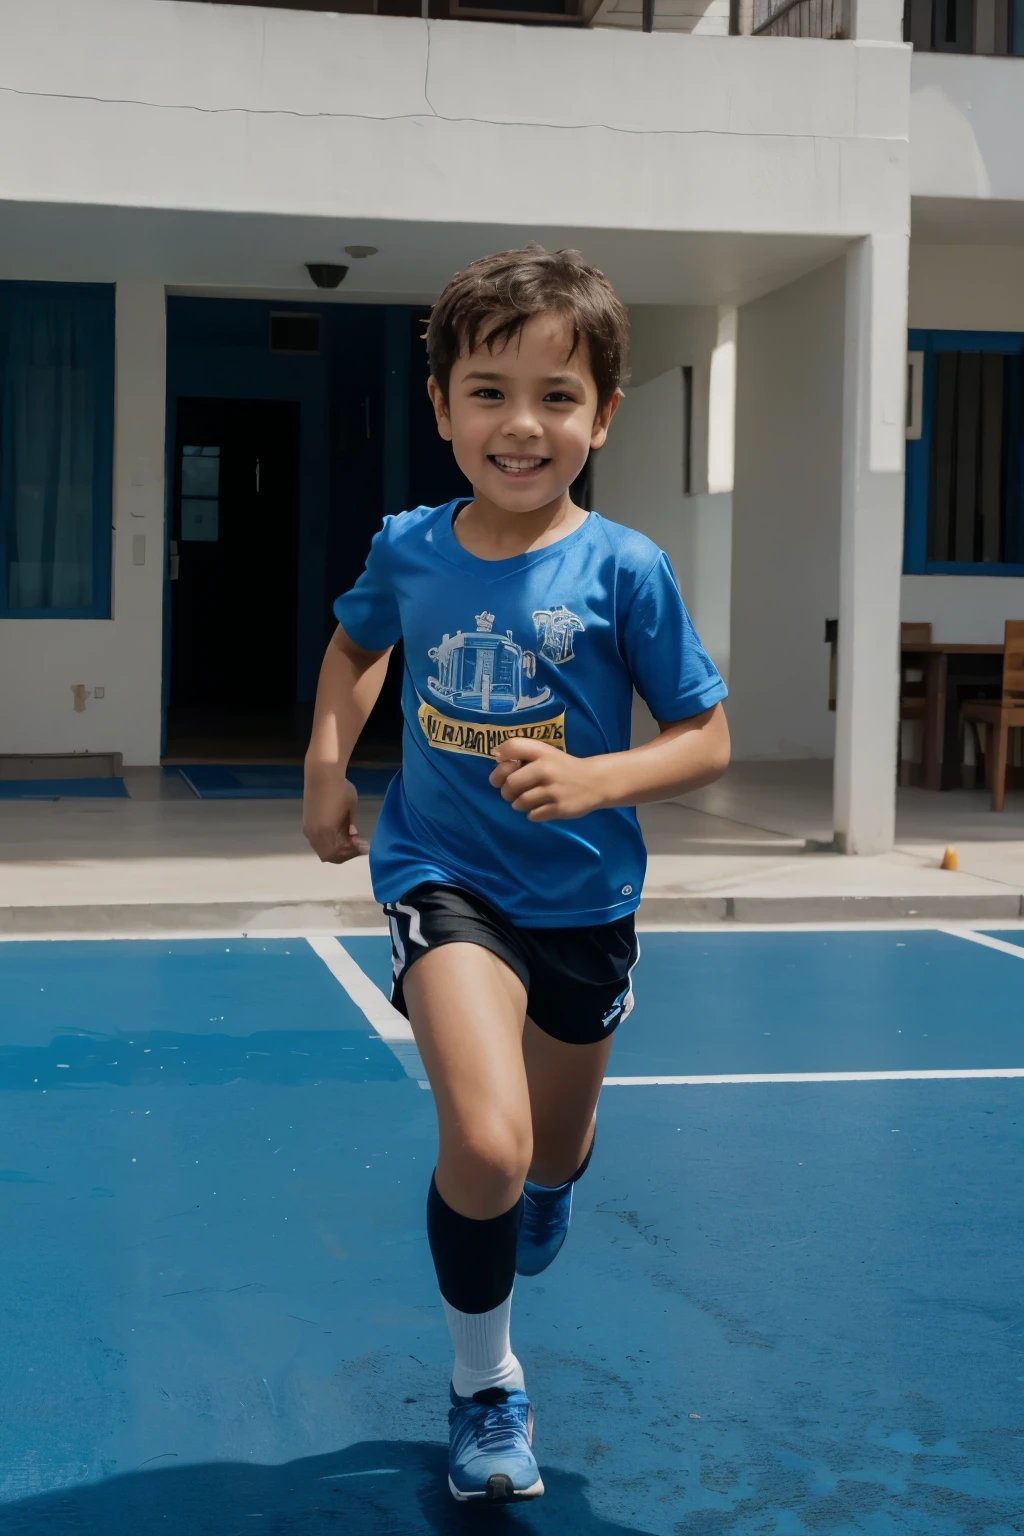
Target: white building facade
199	443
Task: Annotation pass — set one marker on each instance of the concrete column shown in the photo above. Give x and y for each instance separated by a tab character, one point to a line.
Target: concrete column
877	21
871	544
722	406
139	557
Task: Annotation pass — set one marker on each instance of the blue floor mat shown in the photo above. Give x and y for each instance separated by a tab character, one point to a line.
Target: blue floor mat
269	781
63	789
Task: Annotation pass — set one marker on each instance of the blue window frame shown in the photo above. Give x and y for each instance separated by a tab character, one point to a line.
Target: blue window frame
56	449
965	473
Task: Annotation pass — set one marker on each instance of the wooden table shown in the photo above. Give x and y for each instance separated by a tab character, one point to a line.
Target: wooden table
941	725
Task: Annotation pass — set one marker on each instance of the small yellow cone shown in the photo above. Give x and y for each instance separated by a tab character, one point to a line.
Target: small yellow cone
950	859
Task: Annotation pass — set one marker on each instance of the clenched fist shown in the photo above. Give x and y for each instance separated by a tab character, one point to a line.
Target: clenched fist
328	817
546	784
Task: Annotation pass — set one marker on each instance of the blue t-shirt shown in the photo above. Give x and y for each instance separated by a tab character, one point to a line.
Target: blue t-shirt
549	644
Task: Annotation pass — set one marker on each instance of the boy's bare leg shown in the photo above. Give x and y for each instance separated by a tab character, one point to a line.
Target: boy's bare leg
565	1084
466	1008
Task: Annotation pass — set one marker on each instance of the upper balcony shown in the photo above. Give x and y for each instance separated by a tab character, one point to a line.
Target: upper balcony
225	146
990	27
239	108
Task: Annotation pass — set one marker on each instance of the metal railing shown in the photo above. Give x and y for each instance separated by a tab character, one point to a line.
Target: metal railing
801	18
763	18
566	13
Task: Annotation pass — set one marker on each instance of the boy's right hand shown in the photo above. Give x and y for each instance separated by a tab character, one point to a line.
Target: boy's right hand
328	817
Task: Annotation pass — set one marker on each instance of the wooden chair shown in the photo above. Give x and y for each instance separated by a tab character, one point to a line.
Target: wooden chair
999	716
912	685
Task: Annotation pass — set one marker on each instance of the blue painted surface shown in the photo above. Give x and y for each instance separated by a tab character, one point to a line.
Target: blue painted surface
63	789
711	1003
281	781
372	953
144	1013
216	781
1009	935
790	1308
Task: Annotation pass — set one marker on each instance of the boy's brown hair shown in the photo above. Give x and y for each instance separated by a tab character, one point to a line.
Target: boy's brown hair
491	300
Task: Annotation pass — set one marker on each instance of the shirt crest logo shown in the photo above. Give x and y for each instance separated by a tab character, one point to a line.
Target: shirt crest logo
486	672
555	630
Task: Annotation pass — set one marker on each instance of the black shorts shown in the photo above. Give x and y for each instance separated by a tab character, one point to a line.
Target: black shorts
578	980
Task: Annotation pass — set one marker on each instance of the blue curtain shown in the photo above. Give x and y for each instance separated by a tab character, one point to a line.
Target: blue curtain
55	453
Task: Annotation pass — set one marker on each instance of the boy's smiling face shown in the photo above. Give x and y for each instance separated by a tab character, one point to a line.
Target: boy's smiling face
522	419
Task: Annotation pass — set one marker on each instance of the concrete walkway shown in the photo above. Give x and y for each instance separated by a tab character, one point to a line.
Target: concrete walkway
753	848
795	800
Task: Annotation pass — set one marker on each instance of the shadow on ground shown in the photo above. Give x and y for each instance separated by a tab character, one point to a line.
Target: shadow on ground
374	1488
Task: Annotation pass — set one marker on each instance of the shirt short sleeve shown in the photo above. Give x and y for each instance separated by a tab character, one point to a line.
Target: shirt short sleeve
368	612
671	670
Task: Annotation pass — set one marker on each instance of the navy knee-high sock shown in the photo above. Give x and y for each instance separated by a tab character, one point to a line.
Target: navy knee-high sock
475	1262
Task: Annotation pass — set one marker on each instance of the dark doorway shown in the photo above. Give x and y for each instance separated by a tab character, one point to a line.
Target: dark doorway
434	476
234	568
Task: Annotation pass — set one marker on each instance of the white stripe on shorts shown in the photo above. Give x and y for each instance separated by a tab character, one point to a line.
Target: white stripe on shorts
397	947
415	932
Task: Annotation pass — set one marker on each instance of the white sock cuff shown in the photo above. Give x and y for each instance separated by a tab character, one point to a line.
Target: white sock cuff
483	1349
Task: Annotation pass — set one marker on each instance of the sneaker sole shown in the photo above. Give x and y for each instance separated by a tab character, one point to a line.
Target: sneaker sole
499	1490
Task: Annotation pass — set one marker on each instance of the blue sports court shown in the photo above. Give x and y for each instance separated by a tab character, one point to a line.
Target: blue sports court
790	1302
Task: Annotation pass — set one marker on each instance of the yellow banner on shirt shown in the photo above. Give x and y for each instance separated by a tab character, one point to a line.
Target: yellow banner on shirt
466	736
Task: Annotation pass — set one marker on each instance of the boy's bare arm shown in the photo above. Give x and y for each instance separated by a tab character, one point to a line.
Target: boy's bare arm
549	785
350	683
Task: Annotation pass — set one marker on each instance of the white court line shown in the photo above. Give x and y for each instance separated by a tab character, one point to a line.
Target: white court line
376	930
840	925
1016	950
812	1077
393	1029
396	1033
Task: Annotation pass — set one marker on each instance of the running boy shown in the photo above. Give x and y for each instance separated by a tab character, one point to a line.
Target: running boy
508	854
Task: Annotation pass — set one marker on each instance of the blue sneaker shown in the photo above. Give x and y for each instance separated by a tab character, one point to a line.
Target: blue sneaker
489	1455
546	1215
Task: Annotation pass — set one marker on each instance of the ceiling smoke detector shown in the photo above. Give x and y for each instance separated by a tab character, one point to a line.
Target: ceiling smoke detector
359	251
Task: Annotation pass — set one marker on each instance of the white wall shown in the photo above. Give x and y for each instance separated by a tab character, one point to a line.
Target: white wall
966	123
970	610
664	336
638	480
786	504
236	109
966	288
695	529
41	660
708	588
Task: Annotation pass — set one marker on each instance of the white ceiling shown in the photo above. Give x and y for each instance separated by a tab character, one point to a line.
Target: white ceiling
261	254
